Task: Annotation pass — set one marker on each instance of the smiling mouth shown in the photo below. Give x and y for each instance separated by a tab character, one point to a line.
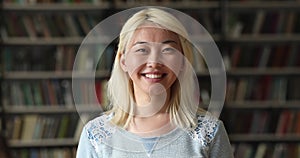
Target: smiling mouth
154	76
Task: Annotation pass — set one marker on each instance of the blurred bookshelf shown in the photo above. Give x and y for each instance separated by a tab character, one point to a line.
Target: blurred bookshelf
259	41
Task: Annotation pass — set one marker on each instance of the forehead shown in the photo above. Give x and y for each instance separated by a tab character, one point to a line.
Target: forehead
153	34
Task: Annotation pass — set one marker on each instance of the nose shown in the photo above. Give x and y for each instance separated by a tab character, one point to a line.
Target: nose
154	59
153	64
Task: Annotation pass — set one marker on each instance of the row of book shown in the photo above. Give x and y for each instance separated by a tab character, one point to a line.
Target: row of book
61	58
38	126
54	93
60	92
80	24
67	58
41	58
263	22
49	25
278	122
264	56
44	153
263	88
266	150
45	25
58	58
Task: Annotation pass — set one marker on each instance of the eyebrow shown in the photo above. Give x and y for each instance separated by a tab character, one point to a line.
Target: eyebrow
169	41
164	42
140	42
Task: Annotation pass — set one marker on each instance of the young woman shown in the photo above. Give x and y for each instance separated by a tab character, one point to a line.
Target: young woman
152	90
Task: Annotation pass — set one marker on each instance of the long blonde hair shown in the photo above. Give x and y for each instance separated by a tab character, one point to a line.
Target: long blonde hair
182	108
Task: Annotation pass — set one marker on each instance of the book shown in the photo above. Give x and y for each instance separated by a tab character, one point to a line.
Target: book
290	22
259	19
37	94
230	90
264	57
71	25
16	95
84	23
241	89
17	128
41	24
27	93
67	93
59	58
29	126
296	126
52	94
261	150
69	57
284	120
29	26
63	127
235	56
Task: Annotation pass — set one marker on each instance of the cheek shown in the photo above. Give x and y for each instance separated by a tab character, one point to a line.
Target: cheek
133	64
175	64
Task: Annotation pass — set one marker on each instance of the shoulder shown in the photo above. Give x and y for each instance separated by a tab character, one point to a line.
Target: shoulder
206	129
99	129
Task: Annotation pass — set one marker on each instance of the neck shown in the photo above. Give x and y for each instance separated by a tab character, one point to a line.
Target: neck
150	104
155	125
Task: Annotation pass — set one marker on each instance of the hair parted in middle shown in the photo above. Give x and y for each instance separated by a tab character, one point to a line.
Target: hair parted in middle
182	108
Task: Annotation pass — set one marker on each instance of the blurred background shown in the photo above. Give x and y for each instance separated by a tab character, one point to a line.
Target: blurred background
258	39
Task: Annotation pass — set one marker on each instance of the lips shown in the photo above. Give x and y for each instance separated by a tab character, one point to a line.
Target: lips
154	75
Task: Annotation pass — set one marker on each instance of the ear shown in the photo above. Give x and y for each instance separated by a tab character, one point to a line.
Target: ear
123	63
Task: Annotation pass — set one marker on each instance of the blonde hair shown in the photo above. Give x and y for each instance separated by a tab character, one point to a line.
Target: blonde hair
182	108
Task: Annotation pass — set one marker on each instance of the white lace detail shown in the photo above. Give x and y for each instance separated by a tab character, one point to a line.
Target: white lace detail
206	130
99	129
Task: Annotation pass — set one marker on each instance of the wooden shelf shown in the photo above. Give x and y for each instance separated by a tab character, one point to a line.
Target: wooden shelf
243	39
43	143
264	38
28	41
42	41
51	109
250	72
56	6
264	138
54	75
263	104
265	5
286	71
177	5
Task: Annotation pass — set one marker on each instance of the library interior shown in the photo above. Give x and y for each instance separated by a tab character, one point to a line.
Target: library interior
258	40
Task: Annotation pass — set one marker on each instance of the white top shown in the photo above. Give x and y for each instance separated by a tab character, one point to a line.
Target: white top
101	139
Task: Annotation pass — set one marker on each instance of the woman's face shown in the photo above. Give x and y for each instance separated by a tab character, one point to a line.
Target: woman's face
152	56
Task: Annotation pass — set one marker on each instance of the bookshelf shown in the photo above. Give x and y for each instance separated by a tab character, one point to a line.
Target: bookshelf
37	73
262	104
258	38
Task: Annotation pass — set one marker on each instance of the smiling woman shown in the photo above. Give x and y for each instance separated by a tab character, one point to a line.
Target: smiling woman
152	90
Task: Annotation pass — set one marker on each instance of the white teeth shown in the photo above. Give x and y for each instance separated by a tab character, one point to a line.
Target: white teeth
153	75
